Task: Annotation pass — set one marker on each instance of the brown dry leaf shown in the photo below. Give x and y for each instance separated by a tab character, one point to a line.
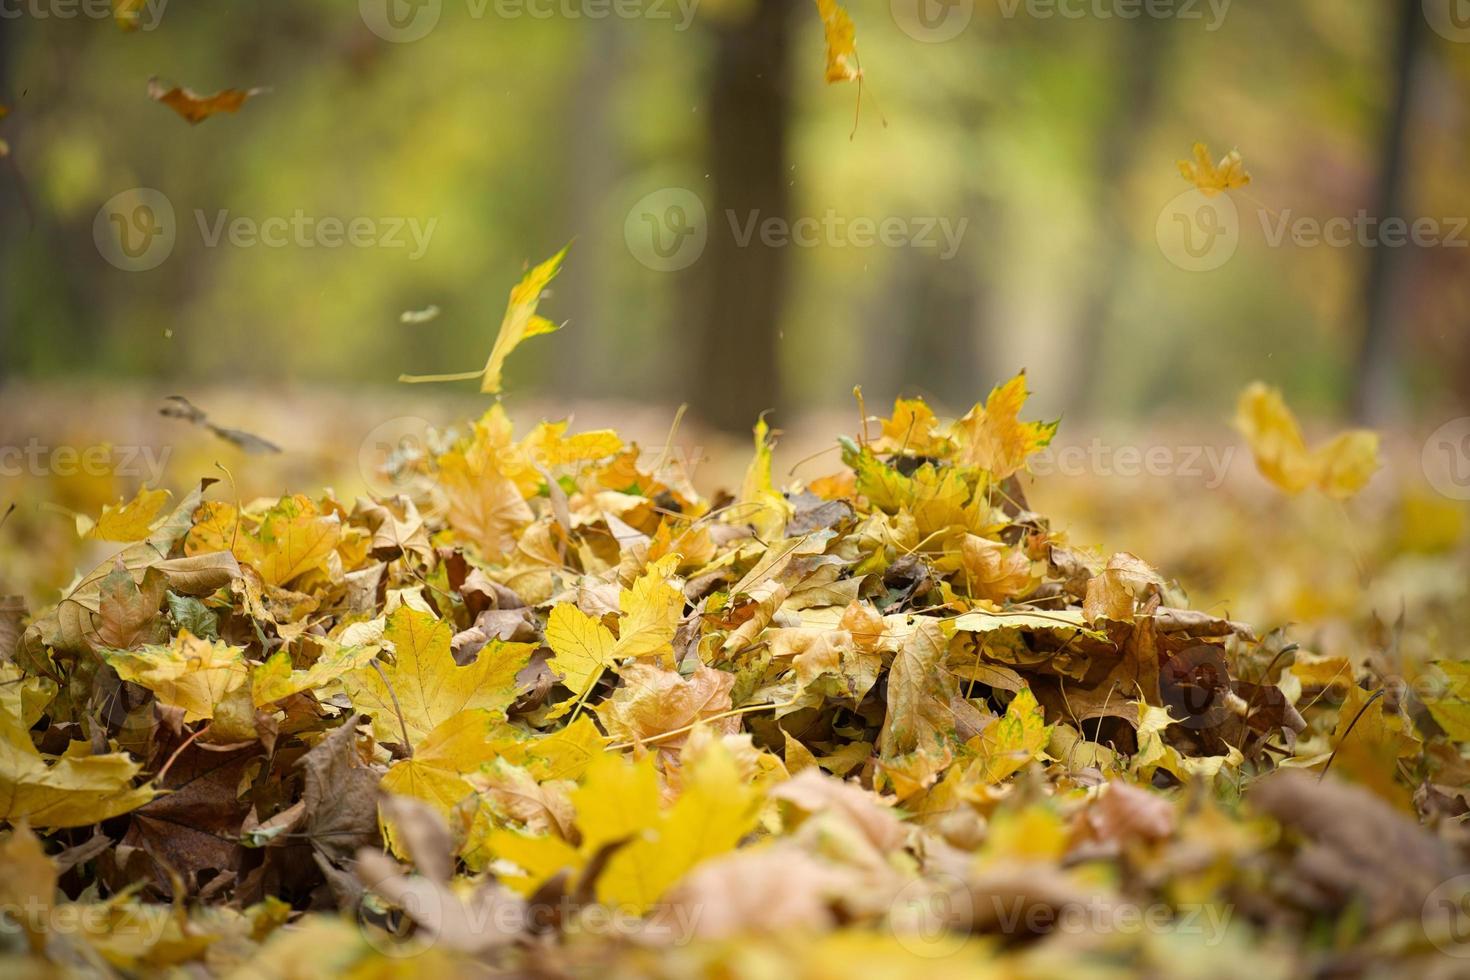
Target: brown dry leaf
657	707
196	108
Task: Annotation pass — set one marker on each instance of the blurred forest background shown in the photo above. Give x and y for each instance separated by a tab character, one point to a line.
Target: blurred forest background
1054	137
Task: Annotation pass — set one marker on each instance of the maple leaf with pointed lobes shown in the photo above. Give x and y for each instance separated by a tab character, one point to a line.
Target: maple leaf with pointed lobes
583	647
1212	179
992	436
519	323
1340	468
1012	742
126	522
426	685
436	772
194	674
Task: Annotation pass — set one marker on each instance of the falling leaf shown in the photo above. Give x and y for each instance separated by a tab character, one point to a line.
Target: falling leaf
196	108
1340	468
1212	179
519	323
427	315
842	60
179	407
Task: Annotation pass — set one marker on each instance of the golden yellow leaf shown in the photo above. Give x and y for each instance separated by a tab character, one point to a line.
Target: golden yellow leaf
519	323
1210	178
28	885
73	790
1012	742
429	687
582	646
715	810
651	612
436	772
1339	468
992	436
127	522
911	430
277	679
842	60
191	673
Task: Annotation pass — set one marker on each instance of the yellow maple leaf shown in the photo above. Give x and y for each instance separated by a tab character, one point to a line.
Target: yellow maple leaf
436	771
277	678
289	539
425	683
992	437
717	807
191	673
1340	468
760	504
582	647
651	612
1012	742
126	522
841	36
619	801
911	430
519	323
1210	178
486	502
74	790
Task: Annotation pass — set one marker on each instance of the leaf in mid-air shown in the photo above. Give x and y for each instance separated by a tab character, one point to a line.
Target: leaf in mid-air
1211	178
520	322
1339	468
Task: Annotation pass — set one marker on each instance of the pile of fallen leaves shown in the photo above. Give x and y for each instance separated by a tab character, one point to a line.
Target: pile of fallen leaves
556	712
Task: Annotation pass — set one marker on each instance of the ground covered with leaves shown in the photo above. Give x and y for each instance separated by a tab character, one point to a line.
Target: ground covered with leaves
555	713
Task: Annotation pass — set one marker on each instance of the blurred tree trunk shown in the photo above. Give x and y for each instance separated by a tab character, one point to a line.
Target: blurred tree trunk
13	208
740	290
594	152
1142	48
1375	395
